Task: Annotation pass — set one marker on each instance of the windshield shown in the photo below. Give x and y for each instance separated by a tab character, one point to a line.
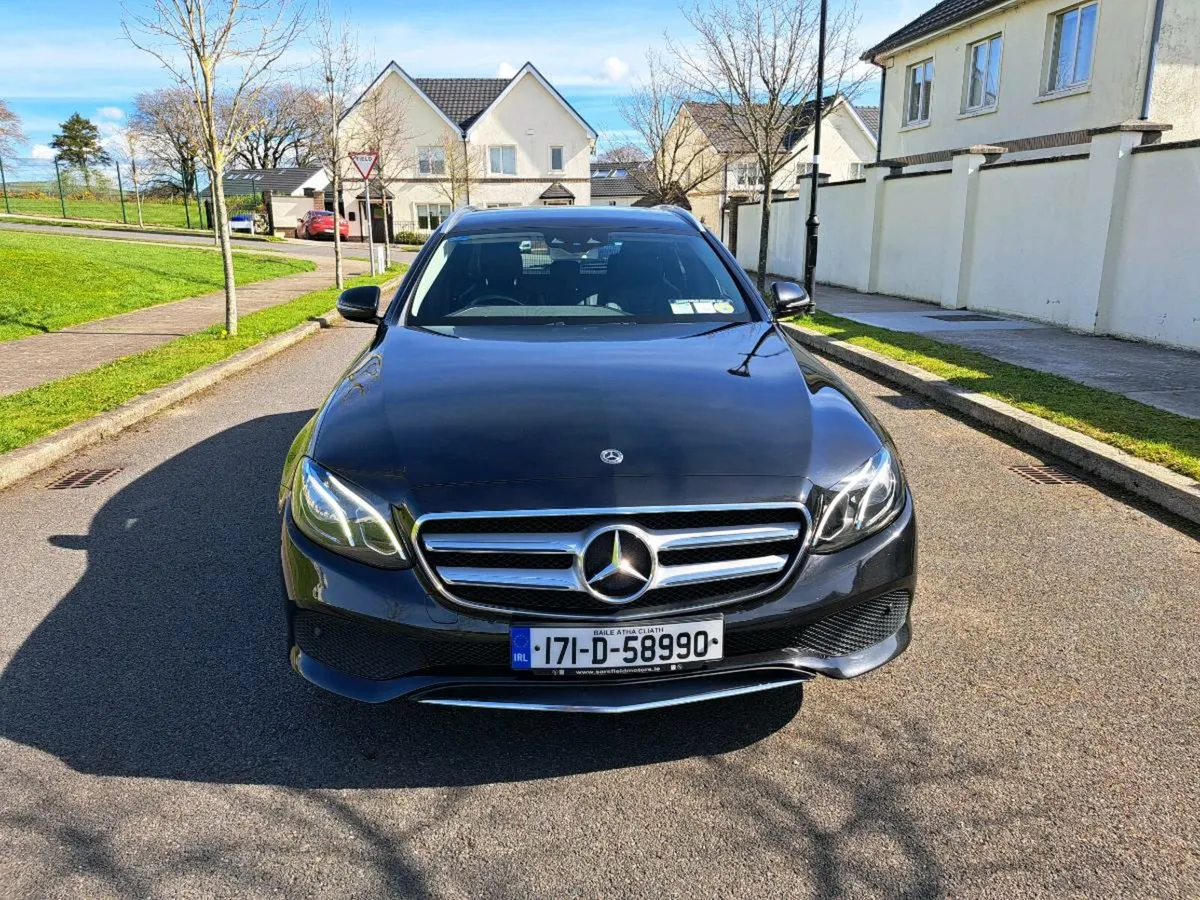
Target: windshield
575	276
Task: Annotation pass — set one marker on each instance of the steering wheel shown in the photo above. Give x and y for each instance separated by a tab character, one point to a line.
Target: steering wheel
494	300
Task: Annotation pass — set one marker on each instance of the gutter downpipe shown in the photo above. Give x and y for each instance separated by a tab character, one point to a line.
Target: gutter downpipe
882	95
1150	63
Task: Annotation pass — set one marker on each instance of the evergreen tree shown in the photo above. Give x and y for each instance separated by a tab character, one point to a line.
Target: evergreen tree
78	145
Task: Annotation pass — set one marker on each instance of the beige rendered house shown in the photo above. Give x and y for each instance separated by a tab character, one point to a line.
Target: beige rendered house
847	146
1031	75
447	142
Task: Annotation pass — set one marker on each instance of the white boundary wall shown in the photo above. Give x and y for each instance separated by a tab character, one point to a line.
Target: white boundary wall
1105	242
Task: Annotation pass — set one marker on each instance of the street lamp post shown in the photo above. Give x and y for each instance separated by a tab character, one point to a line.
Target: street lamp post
813	225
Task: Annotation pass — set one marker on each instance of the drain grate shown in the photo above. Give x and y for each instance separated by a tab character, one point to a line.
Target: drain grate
1045	474
964	317
82	478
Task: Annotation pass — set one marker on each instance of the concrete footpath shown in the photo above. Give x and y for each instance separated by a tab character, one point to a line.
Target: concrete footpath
1157	376
28	362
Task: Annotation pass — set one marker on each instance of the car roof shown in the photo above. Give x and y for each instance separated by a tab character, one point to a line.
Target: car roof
472	221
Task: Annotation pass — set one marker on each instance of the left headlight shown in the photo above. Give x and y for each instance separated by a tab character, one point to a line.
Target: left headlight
345	518
862	503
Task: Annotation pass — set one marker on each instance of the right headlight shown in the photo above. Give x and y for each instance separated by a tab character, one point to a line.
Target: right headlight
862	503
345	518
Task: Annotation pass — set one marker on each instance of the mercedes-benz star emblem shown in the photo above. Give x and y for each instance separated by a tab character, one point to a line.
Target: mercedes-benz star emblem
616	564
611	456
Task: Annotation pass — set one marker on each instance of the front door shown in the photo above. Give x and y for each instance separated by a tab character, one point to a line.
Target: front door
380	228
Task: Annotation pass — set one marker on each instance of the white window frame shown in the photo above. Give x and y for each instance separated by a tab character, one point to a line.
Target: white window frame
993	44
502	147
747	174
562	157
442	211
928	73
1050	84
803	171
427	157
858	170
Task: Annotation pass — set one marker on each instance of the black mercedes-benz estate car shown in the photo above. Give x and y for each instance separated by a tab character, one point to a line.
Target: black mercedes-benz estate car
580	466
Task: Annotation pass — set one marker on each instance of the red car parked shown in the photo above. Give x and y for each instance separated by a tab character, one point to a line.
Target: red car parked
319	223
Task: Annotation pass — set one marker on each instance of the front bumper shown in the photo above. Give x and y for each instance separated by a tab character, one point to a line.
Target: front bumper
375	635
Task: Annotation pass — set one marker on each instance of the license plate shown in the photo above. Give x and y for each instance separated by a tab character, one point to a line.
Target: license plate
659	645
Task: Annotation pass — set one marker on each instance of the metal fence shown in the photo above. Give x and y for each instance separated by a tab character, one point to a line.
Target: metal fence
46	187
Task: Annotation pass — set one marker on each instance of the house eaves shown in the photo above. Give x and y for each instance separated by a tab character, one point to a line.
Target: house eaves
393	67
943	18
530	69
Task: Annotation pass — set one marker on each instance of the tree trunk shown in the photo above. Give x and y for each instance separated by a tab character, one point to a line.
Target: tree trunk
222	229
137	194
339	279
764	233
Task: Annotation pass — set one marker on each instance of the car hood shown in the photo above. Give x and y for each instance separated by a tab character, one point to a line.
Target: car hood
485	404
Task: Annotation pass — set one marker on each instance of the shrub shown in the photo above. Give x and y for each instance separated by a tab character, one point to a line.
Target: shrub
410	237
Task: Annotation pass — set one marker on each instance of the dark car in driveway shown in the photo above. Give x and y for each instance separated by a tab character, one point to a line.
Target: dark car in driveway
580	466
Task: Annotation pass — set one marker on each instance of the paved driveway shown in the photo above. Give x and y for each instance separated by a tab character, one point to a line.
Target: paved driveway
1039	737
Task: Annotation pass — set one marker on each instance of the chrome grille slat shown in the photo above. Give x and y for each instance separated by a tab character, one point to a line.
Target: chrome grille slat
478	559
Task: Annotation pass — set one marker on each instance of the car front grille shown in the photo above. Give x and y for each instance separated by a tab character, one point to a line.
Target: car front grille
838	634
531	563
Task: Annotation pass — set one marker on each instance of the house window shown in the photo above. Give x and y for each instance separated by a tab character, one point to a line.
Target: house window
556	159
1073	41
746	174
983	74
502	160
803	171
431	161
858	170
430	215
920	84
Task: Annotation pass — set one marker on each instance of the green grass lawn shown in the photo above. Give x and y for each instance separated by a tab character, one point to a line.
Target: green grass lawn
48	281
148	228
1142	431
34	413
154	212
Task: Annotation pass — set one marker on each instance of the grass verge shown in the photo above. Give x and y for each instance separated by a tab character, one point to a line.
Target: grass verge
154	212
39	411
1143	431
49	282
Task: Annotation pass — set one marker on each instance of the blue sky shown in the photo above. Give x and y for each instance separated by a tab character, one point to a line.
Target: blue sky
70	55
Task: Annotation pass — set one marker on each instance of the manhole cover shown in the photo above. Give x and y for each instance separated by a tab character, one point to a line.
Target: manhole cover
963	317
1045	474
82	478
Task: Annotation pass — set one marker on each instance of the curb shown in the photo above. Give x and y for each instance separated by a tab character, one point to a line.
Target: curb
19	464
1156	484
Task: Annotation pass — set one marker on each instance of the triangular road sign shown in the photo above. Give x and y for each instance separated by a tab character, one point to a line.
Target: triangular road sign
364	162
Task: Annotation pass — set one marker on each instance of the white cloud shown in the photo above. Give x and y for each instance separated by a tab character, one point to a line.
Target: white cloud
111	113
506	70
42	151
615	69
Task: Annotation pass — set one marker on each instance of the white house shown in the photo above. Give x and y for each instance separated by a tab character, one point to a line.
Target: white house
1033	75
452	141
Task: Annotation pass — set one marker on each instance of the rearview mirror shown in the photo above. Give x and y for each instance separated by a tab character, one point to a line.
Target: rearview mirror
360	304
790	299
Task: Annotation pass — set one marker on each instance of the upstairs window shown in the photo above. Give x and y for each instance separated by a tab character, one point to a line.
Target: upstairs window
920	86
556	159
1073	40
746	174
431	161
983	74
502	160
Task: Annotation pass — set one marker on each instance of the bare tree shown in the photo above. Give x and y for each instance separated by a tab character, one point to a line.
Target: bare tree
462	165
618	154
758	59
130	152
681	158
11	135
338	73
166	121
281	124
381	126
205	45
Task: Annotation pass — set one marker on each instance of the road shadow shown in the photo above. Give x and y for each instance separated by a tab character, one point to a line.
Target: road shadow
168	660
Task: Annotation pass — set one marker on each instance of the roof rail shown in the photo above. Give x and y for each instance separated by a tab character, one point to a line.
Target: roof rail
684	214
455	215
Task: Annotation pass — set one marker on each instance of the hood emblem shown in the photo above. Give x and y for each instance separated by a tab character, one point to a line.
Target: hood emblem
612	456
616	564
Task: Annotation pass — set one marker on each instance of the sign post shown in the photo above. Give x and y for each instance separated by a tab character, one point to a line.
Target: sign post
364	161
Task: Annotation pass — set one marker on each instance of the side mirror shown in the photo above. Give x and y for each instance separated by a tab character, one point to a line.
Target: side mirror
360	304
790	299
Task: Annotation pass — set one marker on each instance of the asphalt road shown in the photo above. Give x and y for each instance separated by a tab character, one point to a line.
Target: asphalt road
1038	739
290	246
